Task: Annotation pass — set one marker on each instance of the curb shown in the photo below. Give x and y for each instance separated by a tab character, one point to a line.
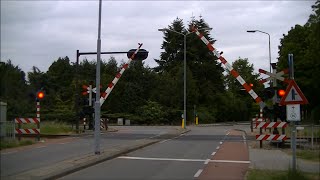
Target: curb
241	130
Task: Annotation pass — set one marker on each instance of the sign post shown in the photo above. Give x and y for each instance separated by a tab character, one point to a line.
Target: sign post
293	98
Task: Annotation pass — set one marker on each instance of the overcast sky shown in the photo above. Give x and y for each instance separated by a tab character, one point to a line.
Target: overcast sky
36	33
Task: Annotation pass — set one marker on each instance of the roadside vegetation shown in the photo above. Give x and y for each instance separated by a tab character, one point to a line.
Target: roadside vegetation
52	127
47	128
306	154
4	144
256	174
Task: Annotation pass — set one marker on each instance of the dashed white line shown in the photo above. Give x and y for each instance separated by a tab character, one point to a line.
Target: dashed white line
218	147
198	173
228	133
220	142
213	153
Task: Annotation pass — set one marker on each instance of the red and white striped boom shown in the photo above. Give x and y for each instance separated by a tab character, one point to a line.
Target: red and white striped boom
272	125
271	137
230	68
107	92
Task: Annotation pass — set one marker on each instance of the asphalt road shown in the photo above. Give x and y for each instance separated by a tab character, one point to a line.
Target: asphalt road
176	158
17	161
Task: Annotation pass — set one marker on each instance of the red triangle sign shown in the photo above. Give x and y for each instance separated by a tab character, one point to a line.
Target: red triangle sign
293	95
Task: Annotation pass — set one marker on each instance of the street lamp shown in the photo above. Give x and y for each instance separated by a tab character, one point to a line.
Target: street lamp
184	69
253	31
97	103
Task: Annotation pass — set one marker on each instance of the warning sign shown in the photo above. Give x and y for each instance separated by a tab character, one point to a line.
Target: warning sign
293	95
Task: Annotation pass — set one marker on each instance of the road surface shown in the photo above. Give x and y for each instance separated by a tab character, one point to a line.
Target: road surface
18	160
187	156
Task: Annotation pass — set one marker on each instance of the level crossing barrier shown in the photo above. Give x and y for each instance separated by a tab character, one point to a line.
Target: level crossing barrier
271	137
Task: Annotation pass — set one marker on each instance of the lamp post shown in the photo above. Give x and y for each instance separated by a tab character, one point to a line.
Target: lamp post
253	31
97	103
184	69
270	64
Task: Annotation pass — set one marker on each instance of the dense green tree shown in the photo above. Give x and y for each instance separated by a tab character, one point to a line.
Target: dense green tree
14	91
204	73
304	43
240	102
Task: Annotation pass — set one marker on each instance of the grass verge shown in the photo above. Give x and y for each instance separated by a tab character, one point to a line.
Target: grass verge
52	127
4	144
255	174
311	155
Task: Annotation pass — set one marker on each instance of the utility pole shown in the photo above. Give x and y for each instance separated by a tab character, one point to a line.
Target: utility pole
97	102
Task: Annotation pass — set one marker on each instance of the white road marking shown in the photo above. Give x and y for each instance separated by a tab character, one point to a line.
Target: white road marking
213	153
184	160
155	136
218	147
161	159
230	161
9	152
198	173
172	138
228	133
207	161
220	142
244	137
164	141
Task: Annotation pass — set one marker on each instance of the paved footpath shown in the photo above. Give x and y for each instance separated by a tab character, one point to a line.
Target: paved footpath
230	162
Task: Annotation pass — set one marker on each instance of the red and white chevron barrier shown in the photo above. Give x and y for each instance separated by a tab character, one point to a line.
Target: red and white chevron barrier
26	120
271	125
270	137
27	131
107	92
230	68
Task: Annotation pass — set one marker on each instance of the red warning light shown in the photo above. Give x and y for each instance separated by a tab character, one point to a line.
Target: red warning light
281	92
40	95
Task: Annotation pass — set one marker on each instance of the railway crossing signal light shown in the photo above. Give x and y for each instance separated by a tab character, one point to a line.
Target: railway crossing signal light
281	92
268	93
40	95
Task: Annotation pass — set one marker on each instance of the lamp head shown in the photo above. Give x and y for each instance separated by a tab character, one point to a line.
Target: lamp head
162	30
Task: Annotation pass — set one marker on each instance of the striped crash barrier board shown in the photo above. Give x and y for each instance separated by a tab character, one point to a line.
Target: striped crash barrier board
271	125
27	121
27	131
270	137
257	121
